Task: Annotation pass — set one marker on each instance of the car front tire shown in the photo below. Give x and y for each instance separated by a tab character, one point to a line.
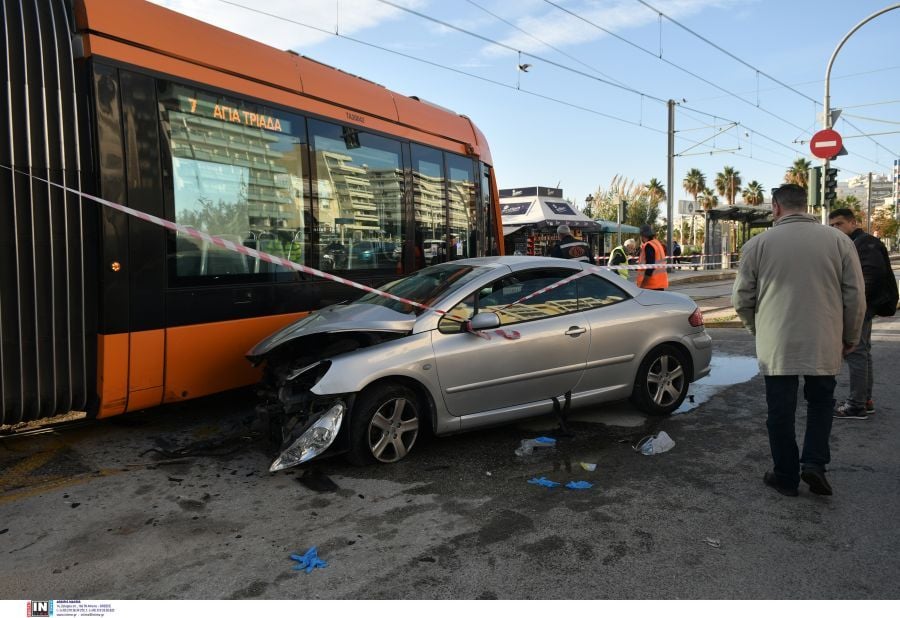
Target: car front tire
662	381
384	424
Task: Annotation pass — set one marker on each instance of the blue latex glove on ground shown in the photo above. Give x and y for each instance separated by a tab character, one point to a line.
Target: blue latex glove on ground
308	561
543	482
578	485
545	440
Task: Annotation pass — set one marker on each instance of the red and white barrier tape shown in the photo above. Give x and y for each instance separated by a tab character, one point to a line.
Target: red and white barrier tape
266	257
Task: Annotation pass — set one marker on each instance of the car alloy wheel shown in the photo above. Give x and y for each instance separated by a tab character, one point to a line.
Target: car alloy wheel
662	381
385	425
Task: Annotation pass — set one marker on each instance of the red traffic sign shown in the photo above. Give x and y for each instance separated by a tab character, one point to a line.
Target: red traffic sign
826	144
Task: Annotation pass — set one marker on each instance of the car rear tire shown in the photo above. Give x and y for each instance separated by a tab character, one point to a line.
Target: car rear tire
662	382
384	425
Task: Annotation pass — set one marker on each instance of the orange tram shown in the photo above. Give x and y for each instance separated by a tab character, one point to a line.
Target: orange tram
142	106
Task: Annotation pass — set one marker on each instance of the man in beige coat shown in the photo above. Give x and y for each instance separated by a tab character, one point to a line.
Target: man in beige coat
800	291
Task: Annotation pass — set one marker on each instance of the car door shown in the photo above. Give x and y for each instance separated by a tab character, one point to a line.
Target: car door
546	360
619	331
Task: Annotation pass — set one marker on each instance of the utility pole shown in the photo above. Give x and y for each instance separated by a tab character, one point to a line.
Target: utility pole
826	111
671	181
869	203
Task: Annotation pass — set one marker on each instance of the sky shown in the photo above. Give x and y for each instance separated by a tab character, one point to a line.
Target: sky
592	103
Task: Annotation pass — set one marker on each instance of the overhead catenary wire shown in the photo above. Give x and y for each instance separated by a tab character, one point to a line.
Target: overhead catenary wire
418	59
519	51
445	67
542	42
758	71
670	63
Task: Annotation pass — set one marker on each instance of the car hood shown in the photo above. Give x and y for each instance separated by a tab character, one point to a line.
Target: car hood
335	319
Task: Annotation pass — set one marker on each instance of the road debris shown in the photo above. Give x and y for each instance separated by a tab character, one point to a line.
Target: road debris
654	445
712	542
309	561
543	482
527	447
579	485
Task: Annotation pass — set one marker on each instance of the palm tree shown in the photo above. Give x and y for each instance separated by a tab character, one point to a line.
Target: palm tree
728	183
656	190
694	182
753	195
708	199
798	174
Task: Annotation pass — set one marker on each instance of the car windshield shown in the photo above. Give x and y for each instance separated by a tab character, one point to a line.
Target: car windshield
426	286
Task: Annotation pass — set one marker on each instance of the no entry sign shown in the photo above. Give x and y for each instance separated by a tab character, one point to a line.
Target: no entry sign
826	144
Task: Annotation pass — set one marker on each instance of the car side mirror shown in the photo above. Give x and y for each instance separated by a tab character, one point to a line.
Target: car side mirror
485	320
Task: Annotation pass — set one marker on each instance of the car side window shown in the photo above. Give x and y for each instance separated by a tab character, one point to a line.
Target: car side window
595	291
502	296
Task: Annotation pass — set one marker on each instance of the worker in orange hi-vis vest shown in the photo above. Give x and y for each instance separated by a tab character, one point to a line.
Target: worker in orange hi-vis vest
652	252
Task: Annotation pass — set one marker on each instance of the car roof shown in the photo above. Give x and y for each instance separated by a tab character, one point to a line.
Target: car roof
521	262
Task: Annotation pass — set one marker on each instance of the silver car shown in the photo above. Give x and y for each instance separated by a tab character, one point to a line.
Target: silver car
502	339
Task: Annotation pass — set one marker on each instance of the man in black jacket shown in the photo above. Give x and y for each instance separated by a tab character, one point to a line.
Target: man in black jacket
873	259
569	248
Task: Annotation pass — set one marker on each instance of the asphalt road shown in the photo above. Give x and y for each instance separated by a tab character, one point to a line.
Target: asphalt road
177	504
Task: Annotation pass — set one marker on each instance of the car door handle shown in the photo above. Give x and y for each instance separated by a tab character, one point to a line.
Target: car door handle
574	331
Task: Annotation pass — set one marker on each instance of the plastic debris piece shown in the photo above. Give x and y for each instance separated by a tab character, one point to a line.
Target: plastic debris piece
527	447
543	482
713	542
590	467
309	561
654	445
579	485
488	473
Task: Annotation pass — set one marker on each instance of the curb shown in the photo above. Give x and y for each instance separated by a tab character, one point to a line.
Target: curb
729	324
719	276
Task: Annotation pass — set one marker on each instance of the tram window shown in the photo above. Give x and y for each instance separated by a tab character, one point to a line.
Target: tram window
238	172
358	192
429	203
462	214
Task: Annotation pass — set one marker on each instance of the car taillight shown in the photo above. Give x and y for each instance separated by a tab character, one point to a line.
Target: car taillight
696	318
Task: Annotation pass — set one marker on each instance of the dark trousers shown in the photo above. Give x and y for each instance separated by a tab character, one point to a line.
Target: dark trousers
781	397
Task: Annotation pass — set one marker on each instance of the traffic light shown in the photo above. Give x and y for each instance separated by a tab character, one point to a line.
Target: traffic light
814	187
623	210
830	186
530	246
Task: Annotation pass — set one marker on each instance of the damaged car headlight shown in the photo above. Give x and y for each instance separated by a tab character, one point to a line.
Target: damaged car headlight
314	441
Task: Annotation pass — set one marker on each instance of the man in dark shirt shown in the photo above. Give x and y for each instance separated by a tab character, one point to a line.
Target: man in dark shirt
873	259
569	248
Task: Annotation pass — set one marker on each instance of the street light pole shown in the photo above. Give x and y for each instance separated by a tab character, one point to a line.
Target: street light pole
826	104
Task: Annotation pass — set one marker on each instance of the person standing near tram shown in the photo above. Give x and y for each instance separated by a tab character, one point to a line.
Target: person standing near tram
570	248
652	253
620	255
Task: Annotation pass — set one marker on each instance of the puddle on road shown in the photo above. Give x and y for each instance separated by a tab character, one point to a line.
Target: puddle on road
726	371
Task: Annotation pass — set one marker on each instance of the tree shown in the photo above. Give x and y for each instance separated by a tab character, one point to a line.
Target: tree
798	174
753	195
708	199
656	191
853	203
728	184
884	225
694	182
640	209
